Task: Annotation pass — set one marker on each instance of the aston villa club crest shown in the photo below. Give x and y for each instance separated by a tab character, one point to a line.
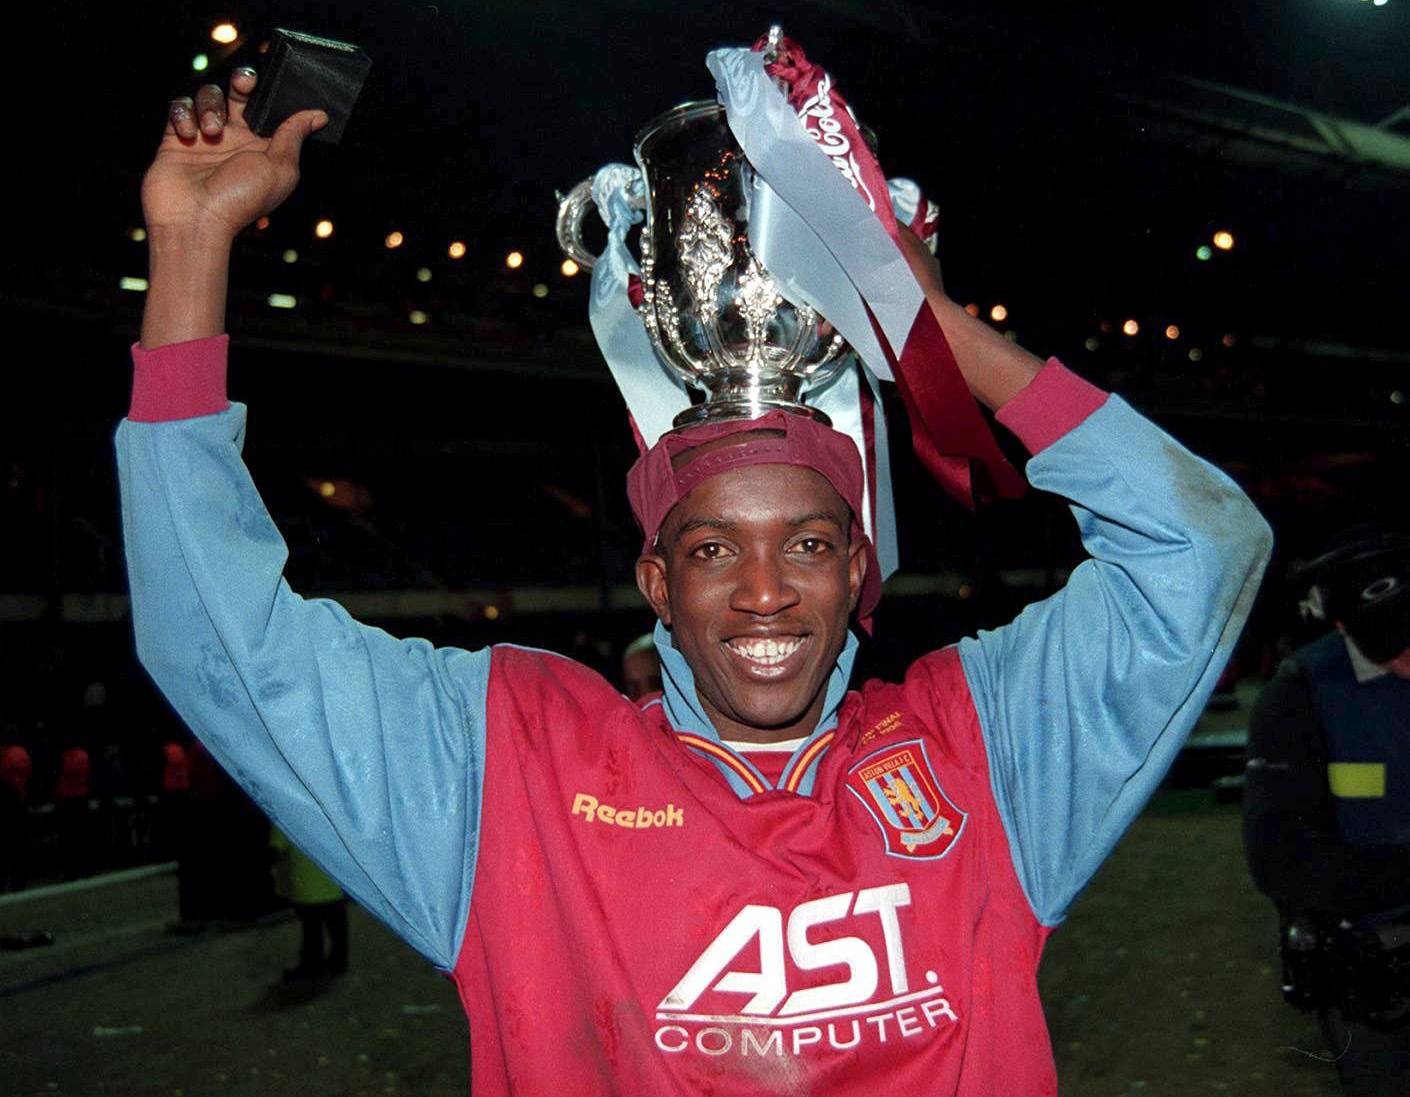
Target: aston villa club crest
898	787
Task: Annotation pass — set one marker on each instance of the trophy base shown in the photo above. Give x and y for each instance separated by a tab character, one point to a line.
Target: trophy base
715	411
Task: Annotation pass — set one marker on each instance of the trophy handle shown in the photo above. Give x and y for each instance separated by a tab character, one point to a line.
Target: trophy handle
572	208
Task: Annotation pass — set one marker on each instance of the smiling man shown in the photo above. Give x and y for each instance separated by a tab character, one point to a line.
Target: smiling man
755	573
769	879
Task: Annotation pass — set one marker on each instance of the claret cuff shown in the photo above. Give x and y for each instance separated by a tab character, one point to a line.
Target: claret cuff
1049	406
179	381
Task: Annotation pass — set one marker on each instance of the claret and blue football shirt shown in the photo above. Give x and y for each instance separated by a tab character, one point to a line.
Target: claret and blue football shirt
629	905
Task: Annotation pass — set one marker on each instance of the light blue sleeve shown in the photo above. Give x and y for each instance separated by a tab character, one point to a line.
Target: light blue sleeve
1087	697
368	751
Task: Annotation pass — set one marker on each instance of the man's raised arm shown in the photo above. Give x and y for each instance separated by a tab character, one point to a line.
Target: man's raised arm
1088	696
367	750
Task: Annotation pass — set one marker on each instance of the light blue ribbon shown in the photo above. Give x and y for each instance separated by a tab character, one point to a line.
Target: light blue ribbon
806	272
780	149
906	198
825	248
653	393
888	556
841	402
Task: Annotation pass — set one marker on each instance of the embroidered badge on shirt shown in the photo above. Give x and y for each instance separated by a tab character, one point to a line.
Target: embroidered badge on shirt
898	786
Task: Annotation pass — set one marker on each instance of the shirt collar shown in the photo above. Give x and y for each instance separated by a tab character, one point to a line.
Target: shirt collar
683	706
681	703
1362	667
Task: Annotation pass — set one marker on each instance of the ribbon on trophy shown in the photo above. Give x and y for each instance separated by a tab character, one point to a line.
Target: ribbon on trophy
653	395
827	220
823	221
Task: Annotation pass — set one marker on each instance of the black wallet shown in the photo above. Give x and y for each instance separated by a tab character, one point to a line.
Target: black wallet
305	72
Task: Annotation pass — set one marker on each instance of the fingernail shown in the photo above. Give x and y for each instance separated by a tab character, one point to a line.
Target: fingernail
244	70
210	121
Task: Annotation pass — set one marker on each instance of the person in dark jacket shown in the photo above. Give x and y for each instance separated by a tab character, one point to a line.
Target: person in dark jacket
1327	808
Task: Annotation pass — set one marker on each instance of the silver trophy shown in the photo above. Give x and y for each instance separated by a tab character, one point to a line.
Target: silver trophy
712	311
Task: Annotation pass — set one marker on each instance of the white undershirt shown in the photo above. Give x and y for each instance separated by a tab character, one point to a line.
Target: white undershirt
789	745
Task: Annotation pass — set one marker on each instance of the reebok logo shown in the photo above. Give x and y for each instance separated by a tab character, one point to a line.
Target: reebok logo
637	818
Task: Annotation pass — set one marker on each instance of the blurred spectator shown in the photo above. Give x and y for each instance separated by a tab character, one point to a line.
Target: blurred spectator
71	795
173	801
197	874
95	695
115	828
222	853
74	775
1327	808
176	770
320	905
641	668
111	777
15	771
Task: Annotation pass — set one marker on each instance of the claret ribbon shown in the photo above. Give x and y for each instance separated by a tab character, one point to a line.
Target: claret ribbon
797	131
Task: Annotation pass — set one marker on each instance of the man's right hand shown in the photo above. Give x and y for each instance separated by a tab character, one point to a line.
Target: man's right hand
212	174
211	177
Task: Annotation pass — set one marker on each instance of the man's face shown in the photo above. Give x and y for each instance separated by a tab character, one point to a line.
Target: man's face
756	576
